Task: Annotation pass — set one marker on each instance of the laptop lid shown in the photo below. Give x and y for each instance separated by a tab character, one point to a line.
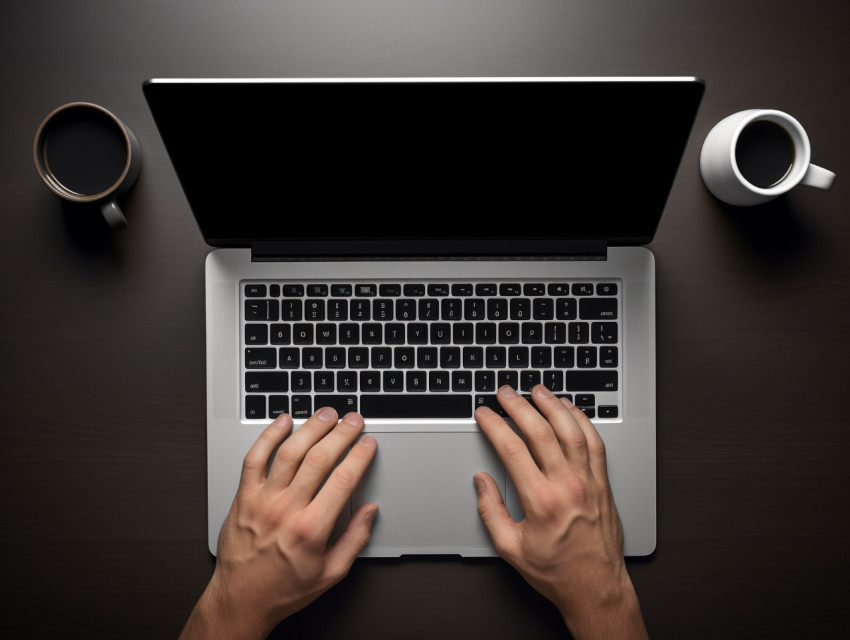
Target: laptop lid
406	167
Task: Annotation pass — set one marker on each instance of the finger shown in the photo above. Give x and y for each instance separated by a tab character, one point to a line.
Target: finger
510	448
291	453
493	513
595	445
565	425
336	492
256	461
355	537
538	433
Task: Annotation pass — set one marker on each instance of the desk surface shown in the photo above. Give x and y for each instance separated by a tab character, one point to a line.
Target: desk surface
102	347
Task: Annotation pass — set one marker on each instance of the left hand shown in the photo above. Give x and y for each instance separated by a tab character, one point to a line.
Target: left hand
273	555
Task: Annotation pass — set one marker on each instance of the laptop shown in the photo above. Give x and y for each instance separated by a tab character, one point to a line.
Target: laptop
402	247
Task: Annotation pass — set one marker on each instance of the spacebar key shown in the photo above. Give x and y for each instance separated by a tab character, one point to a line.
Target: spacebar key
415	406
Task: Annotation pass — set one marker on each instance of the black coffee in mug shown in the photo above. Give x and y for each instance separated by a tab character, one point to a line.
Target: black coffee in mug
85	151
764	153
85	154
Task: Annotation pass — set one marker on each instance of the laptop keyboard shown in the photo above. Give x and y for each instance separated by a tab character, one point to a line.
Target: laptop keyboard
429	349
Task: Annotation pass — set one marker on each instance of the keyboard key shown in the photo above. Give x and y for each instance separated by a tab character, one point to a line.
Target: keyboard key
370	381
438	380
255	407
260	381
608	411
603	332
255	291
606	289
585	400
302	407
342	404
290	358
461	381
485	381
293	290
565	309
281	333
598	308
346	381
578	332
586	357
278	405
256	334
317	290
608	357
416	406
260	359
592	381
582	289
490	401
416	381
261	310
342	290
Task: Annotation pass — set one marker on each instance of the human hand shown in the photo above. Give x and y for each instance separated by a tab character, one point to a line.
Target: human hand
569	547
273	555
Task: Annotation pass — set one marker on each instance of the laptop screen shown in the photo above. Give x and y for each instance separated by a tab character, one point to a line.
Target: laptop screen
531	160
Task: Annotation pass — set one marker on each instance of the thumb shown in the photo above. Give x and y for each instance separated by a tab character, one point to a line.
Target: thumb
494	514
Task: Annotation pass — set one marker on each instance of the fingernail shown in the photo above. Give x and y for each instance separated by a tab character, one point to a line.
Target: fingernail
327	414
484	410
479	483
283	421
354	419
368	441
507	392
542	392
370	516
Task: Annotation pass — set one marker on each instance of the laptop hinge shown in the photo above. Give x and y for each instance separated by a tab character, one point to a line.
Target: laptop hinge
507	249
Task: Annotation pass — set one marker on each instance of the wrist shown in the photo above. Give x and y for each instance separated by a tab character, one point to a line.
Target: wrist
218	615
613	613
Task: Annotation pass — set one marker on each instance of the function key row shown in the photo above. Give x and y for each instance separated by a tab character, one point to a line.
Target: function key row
484	289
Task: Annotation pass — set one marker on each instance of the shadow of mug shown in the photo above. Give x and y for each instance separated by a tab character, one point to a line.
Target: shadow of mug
87	155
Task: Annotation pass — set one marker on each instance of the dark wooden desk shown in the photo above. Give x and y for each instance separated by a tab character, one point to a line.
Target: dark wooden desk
102	347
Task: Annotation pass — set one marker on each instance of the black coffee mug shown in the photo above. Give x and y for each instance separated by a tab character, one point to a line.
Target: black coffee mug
85	154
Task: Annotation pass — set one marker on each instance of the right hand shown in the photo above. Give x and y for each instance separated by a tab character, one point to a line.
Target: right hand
569	547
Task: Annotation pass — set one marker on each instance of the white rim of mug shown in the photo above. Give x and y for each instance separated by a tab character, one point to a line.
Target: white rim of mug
802	151
50	180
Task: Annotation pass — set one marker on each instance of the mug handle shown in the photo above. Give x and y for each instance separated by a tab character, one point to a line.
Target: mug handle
818	177
113	215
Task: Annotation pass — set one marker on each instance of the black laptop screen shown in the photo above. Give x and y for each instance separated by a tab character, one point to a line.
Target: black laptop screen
431	160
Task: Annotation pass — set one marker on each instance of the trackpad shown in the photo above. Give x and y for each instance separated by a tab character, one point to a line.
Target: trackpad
422	483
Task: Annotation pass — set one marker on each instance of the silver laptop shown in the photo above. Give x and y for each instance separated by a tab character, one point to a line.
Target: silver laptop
402	247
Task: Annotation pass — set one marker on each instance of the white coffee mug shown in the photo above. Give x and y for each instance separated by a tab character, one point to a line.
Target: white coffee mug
755	155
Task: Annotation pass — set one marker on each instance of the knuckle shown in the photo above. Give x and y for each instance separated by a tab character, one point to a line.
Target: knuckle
345	478
288	452
304	527
316	458
515	448
548	505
